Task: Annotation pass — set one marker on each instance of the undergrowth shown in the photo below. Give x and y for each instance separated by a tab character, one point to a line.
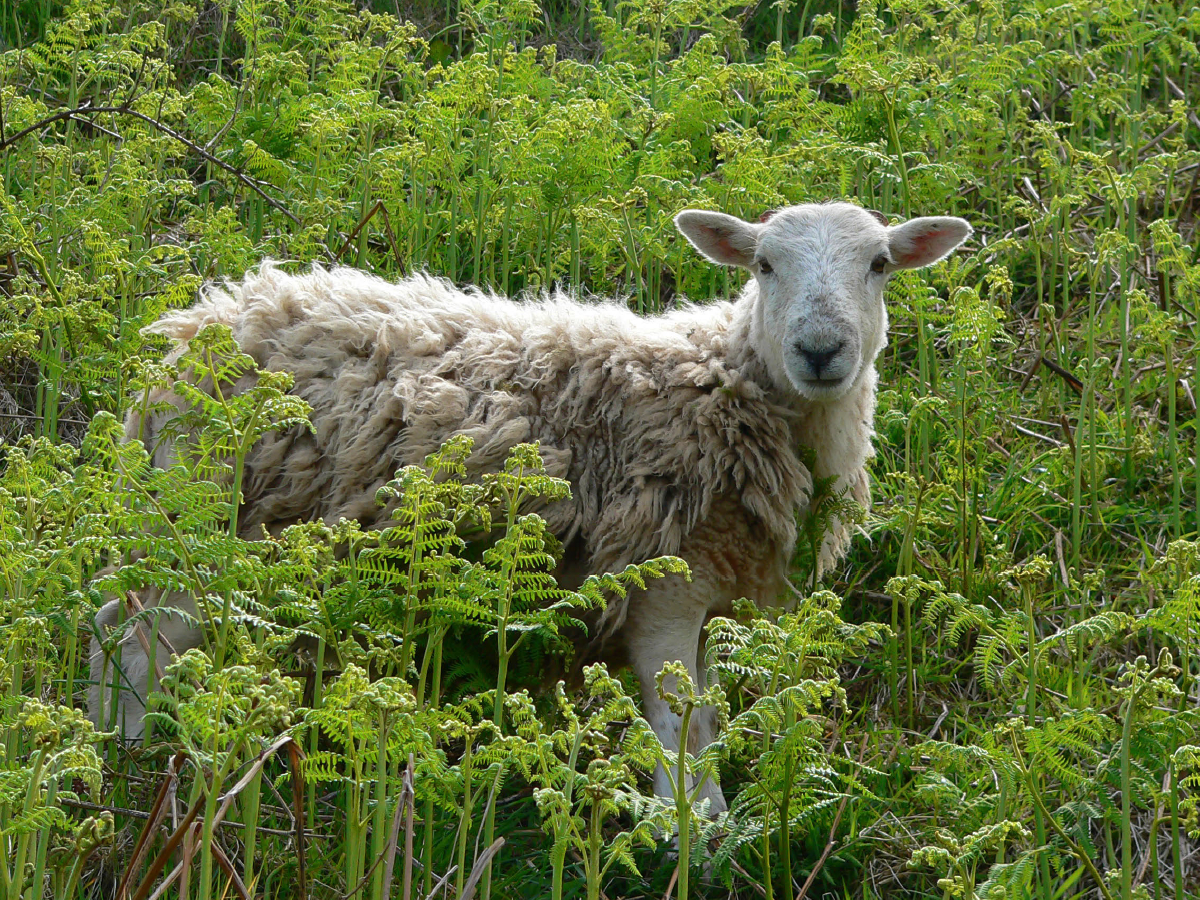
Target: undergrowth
995	696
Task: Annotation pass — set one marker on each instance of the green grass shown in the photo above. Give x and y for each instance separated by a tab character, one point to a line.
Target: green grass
1026	721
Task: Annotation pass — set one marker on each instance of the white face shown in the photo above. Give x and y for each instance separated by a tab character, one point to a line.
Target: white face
819	319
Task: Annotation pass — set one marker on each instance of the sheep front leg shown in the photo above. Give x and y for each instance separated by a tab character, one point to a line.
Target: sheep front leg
665	625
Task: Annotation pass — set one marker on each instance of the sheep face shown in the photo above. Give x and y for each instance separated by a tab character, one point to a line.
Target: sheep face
819	320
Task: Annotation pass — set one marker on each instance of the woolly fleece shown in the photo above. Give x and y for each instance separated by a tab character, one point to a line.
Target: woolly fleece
657	422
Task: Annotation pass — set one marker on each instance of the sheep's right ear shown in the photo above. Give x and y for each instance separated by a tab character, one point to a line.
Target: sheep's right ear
726	240
922	242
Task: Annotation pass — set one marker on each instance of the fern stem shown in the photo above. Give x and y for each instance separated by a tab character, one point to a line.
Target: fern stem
1126	811
683	807
465	815
379	834
1176	842
595	838
17	887
1078	852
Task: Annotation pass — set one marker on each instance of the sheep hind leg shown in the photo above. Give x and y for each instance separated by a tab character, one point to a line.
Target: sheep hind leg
123	678
119	678
665	625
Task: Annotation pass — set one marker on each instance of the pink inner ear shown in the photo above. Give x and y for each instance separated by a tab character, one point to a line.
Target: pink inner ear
766	217
920	247
726	246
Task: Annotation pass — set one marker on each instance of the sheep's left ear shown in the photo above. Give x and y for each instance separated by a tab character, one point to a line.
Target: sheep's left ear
922	242
726	240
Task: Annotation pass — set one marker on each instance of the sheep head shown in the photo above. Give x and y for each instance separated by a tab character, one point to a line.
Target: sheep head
819	320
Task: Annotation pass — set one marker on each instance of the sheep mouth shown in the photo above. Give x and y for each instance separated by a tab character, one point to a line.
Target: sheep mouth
824	384
823	388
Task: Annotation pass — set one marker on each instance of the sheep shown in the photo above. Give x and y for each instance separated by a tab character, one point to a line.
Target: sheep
680	433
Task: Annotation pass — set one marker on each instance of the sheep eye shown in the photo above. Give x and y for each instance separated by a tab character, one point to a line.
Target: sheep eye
765	267
878	263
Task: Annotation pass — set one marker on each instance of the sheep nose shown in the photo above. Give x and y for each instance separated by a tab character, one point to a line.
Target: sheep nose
819	359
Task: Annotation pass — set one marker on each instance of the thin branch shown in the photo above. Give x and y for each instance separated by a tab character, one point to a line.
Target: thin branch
124	110
404	814
251	183
91	124
387	229
171	846
50	120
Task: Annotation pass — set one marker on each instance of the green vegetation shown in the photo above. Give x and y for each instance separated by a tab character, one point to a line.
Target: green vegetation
995	697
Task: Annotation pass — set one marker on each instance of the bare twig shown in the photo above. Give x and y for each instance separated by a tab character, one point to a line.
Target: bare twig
1066	430
251	183
442	882
671	884
1180	95
134	605
410	794
1042	360
90	124
142	815
750	879
167	882
389	852
1033	367
387	229
1074	383
1033	434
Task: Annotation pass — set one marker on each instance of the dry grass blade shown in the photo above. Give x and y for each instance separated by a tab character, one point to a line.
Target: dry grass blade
481	866
404	812
671	883
134	605
167	882
295	755
442	882
230	871
157	813
245	780
832	842
188	822
410	795
164	855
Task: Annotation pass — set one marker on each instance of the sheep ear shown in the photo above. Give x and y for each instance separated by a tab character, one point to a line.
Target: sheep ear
922	242
726	240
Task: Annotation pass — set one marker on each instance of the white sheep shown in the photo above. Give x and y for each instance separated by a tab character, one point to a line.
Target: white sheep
679	433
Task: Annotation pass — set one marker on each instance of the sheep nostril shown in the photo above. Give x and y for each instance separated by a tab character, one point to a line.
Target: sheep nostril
819	359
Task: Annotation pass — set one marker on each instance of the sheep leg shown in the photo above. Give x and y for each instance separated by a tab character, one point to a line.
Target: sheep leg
664	625
131	674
